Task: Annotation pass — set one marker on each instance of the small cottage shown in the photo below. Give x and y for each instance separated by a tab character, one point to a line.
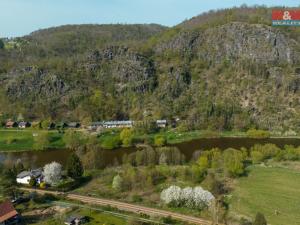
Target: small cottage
24	125
25	176
161	123
11	124
8	214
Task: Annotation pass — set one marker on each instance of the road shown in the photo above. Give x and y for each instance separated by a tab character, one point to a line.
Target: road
125	206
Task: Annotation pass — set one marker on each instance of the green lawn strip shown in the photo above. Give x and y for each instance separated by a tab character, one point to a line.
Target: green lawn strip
22	140
268	190
91	211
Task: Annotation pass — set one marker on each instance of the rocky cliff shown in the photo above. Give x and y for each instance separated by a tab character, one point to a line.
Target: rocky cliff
233	73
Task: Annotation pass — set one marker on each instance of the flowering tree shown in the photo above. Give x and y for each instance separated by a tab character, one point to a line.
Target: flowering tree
189	197
172	195
52	173
117	183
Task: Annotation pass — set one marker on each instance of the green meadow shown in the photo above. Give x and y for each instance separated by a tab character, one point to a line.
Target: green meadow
274	191
22	140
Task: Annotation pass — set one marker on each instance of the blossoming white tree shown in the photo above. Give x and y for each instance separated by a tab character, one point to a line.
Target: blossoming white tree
172	195
52	173
189	197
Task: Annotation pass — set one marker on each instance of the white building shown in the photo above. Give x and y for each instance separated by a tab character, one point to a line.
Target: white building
25	176
161	123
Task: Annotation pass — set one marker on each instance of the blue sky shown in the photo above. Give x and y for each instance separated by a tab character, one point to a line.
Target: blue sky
21	17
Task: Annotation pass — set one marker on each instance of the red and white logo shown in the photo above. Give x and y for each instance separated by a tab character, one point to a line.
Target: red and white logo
286	17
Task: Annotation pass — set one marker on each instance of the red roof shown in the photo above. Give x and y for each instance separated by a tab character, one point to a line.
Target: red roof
7	211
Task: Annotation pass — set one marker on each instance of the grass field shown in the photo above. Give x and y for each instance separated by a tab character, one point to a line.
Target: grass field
95	217
266	190
21	140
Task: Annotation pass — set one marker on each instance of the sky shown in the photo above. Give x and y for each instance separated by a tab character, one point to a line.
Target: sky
21	17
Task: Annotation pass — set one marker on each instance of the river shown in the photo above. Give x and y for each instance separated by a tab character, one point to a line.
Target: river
40	158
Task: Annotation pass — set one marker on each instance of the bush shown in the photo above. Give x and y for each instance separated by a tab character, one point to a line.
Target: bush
117	183
257	156
111	142
253	133
42	185
32	182
260	219
159	140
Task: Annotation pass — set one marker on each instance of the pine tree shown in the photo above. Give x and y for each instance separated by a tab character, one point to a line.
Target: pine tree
74	167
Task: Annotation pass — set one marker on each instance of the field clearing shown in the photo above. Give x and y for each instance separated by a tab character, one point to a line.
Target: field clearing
269	190
22	140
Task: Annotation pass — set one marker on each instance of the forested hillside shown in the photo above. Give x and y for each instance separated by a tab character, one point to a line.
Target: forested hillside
221	70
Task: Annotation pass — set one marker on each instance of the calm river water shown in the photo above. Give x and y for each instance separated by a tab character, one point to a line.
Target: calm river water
40	158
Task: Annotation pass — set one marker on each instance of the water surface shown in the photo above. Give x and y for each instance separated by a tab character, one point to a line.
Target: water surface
40	158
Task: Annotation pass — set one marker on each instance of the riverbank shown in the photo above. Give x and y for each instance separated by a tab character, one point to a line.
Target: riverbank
17	140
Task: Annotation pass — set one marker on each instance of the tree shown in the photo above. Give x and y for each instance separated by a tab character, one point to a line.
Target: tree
189	197
126	136
117	183
260	219
41	141
52	173
1	44
32	182
203	163
233	162
71	139
45	124
74	166
8	183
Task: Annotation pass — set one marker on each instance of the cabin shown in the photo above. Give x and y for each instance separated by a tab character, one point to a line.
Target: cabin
24	125
11	124
161	123
76	220
25	176
8	214
118	124
73	125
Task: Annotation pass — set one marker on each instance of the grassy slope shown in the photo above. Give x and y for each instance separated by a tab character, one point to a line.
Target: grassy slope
267	190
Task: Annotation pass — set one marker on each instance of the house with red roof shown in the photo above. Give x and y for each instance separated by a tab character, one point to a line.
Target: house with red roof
8	214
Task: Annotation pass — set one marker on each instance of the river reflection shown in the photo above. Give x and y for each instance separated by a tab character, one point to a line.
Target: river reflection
34	159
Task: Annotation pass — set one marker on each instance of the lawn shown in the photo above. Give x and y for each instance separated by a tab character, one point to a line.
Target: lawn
267	190
21	140
95	217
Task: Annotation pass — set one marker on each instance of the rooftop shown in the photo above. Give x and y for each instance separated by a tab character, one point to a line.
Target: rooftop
7	211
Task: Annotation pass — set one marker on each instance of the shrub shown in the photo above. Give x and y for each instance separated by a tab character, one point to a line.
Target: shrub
253	133
257	156
111	142
32	182
159	140
260	219
117	183
43	185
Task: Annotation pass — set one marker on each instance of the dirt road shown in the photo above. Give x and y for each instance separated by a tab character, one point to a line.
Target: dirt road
125	206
